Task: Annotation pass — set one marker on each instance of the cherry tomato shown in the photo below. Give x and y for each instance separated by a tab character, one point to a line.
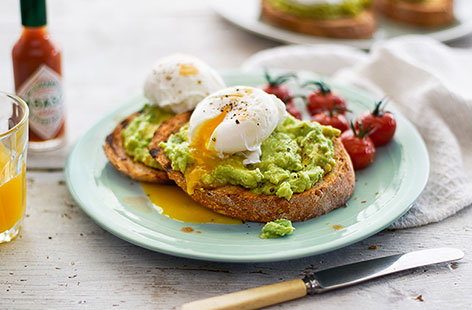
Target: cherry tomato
293	110
323	99
280	91
382	124
275	86
359	146
336	120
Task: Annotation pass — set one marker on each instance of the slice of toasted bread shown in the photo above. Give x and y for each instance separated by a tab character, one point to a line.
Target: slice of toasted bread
358	27
116	154
167	128
431	13
330	193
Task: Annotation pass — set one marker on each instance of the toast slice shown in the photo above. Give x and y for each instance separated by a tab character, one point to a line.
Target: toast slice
431	13
361	26
116	154
330	193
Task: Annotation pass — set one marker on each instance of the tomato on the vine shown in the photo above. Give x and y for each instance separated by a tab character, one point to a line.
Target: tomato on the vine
323	99
331	118
359	146
381	122
293	110
275	86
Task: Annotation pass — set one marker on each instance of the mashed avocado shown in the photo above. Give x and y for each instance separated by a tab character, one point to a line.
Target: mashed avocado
276	229
348	8
294	157
139	132
412	1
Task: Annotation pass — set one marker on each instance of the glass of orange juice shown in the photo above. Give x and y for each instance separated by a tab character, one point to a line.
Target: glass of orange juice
13	145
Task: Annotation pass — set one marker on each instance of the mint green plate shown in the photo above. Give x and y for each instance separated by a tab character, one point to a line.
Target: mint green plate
384	192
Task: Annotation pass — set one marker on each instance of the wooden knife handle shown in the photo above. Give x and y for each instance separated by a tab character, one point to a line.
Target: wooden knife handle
253	298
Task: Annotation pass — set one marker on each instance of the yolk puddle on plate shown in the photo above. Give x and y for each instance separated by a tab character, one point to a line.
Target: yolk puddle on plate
176	204
201	150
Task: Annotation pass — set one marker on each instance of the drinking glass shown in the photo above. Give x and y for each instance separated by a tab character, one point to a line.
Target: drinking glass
13	146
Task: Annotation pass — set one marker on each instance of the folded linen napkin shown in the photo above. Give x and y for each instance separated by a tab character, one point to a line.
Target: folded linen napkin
430	83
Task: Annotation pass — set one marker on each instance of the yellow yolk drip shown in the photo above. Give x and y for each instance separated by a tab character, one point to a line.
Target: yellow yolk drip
187	69
177	205
205	157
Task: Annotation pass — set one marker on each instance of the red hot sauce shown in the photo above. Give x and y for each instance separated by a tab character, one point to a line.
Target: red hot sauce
37	69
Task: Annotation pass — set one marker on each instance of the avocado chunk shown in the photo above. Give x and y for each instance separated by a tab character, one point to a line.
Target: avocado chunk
276	229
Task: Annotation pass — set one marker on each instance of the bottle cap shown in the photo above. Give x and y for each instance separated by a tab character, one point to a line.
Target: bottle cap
33	13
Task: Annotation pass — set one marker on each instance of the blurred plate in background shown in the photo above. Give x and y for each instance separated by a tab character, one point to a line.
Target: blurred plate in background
245	14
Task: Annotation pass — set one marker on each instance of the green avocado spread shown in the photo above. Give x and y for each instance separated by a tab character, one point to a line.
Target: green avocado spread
139	132
294	157
412	1
348	8
276	229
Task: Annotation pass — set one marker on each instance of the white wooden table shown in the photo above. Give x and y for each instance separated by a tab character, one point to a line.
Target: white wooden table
62	259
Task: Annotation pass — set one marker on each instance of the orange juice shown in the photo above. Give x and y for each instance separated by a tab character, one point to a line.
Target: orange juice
13	146
12	201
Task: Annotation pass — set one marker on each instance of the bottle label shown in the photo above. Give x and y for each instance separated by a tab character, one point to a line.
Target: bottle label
43	93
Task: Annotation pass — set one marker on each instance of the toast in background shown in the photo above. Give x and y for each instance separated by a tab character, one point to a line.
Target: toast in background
427	13
359	26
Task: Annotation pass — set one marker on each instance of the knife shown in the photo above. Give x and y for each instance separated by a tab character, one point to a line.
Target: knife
325	280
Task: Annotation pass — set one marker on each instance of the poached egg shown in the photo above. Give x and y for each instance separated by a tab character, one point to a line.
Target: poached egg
232	120
179	82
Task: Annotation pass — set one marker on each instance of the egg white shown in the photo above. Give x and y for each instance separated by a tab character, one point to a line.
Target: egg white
252	115
168	88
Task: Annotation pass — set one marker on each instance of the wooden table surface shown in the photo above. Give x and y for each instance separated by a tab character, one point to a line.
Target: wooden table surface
62	259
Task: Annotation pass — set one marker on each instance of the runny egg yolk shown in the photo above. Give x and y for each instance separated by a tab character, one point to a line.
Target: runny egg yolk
202	151
187	69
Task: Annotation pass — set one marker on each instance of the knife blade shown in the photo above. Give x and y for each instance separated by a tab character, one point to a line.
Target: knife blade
326	280
346	275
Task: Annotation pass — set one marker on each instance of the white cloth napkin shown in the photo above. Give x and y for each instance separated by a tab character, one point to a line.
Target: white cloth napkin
427	81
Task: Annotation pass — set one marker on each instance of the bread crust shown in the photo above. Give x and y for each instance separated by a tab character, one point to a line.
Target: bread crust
330	193
434	13
117	156
358	27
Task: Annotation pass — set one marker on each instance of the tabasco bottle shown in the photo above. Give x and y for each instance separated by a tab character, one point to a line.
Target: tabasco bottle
37	70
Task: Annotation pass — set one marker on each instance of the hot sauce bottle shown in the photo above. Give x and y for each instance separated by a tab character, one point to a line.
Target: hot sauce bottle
37	71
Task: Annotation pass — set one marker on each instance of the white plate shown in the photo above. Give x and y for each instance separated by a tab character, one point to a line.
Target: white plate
245	14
